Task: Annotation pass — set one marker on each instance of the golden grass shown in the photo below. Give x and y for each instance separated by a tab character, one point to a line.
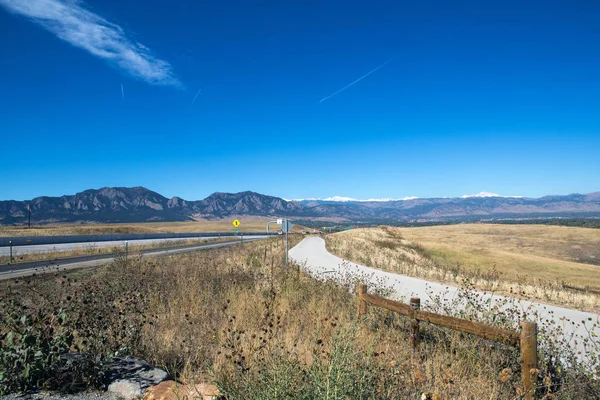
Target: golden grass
261	330
550	252
249	225
528	261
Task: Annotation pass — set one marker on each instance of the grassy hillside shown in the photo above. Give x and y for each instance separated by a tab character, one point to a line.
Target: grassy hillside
515	249
524	260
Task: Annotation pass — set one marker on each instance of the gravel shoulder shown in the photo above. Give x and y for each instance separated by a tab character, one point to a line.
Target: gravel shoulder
53	396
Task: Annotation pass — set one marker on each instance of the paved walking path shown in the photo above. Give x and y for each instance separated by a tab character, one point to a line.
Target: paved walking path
312	255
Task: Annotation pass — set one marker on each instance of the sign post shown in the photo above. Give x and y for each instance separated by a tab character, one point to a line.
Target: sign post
286	226
236	223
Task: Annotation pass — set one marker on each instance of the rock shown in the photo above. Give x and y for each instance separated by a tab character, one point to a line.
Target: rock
129	377
171	390
125	389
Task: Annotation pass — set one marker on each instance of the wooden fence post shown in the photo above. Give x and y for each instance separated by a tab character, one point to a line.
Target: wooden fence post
362	305
415	305
528	357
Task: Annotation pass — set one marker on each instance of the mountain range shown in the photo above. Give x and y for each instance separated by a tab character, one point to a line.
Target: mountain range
138	204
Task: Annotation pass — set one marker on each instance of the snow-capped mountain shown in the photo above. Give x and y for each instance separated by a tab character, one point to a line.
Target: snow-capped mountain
487	194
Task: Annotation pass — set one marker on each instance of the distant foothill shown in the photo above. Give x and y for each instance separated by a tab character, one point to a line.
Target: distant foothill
138	204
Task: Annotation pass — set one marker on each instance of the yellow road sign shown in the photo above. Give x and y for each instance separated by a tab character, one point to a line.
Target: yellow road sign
236	223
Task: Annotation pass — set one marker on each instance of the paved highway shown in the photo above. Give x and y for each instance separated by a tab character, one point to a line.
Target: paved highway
41	267
59	247
111	237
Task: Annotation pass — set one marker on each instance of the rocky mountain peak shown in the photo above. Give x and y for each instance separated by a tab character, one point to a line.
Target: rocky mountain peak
138	204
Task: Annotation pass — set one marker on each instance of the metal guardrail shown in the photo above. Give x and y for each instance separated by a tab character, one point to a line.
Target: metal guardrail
35	240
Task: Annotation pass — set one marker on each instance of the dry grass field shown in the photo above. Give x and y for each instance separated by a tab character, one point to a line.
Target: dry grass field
251	225
530	261
259	330
551	252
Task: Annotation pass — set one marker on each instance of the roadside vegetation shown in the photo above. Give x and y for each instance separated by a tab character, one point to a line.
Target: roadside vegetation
547	263
260	330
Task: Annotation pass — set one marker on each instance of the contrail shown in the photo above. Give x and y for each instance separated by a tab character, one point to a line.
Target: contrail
122	91
356	81
196	96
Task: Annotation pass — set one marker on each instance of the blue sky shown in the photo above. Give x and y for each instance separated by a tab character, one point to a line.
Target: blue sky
497	96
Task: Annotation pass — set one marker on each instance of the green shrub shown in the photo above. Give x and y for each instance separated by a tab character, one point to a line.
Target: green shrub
31	346
54	333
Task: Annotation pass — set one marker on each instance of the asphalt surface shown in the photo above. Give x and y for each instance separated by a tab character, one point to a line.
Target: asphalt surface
312	254
6	241
41	267
61	247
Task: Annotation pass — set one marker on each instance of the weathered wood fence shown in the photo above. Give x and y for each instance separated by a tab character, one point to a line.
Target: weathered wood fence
585	289
526	340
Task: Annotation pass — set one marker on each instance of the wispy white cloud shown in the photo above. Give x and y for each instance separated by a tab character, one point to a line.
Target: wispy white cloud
71	22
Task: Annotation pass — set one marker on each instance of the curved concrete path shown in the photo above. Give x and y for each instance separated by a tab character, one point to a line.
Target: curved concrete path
312	254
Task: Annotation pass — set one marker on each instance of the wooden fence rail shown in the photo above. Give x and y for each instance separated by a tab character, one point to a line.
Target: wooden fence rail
526	340
585	289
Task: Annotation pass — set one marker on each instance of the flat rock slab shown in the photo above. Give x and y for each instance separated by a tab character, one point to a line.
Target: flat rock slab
128	377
